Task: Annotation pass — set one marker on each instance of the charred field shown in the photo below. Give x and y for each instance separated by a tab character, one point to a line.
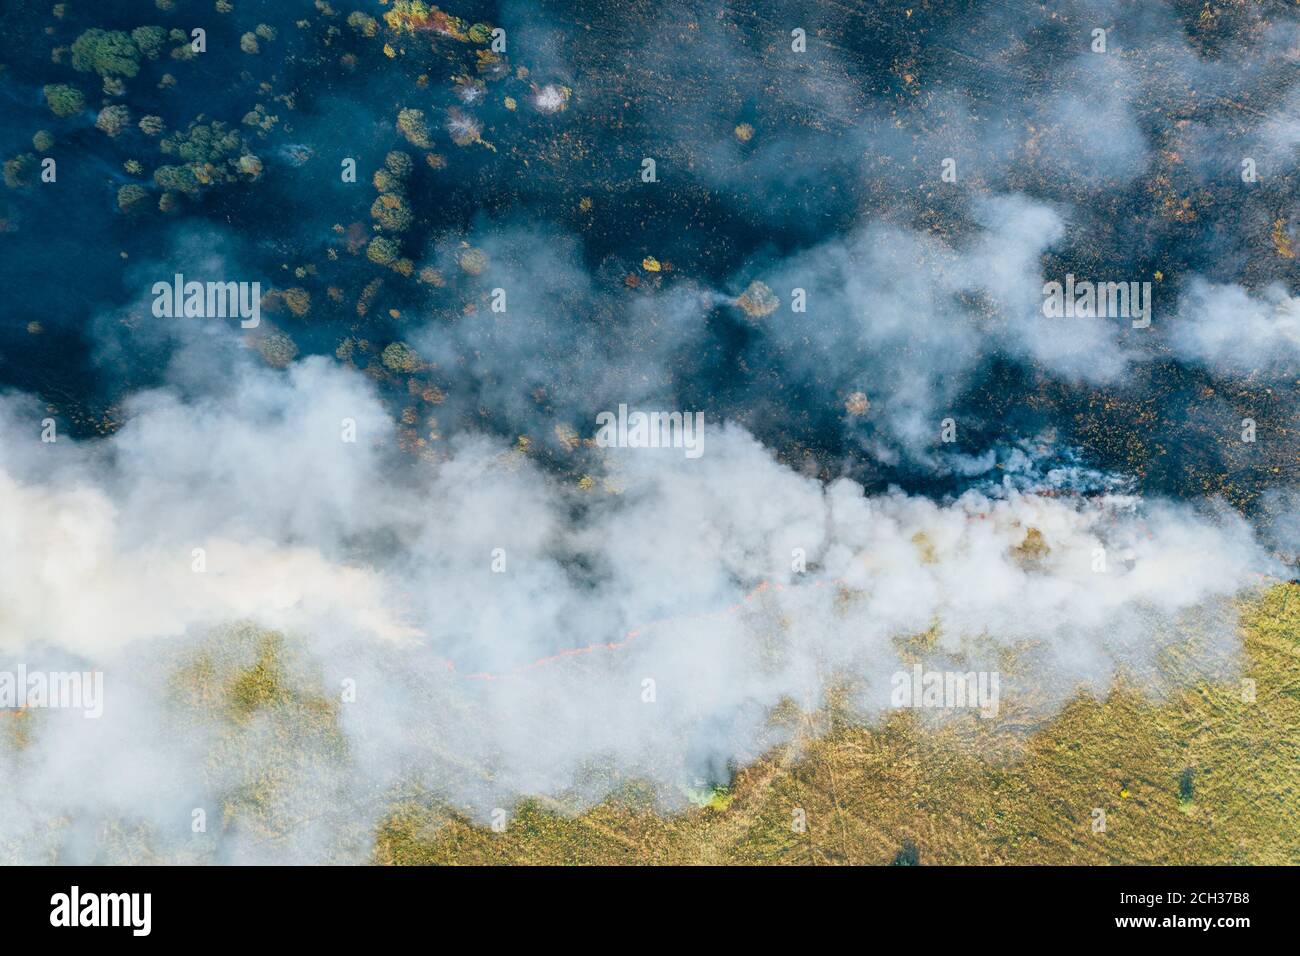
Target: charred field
369	580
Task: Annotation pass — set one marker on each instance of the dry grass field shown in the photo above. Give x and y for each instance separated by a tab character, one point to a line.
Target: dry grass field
1201	777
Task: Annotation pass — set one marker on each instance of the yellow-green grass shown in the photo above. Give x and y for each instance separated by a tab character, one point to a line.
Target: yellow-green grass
1202	776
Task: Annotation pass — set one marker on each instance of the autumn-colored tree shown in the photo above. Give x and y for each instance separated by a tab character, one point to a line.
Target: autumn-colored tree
462	127
113	119
298	300
392	213
414	128
277	349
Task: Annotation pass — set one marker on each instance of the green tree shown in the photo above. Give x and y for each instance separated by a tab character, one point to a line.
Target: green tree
205	143
64	100
107	52
363	23
149	40
382	251
400	357
178	178
398	163
19	170
131	197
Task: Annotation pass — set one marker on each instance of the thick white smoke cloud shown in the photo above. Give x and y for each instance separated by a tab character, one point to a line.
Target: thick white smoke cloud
1233	332
382	568
485	686
908	318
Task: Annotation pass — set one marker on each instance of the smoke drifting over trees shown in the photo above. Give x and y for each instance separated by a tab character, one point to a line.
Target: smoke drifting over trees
370	548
